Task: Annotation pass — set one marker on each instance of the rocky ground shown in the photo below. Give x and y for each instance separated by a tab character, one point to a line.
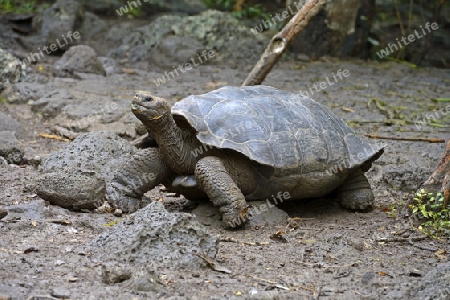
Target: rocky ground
298	250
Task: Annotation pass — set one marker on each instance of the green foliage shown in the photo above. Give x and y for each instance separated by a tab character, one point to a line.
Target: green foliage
428	207
392	210
133	11
252	12
18	6
136	12
249	12
217	3
112	223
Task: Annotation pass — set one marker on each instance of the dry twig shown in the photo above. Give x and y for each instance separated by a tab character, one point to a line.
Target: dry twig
429	140
269	281
52	136
233	240
402	240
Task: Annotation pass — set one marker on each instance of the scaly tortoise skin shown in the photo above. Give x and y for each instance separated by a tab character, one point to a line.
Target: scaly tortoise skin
252	142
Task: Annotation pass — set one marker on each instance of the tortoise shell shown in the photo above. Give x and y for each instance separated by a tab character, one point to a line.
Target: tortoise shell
276	128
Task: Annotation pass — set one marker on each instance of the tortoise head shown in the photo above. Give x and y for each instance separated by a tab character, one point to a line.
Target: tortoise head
147	107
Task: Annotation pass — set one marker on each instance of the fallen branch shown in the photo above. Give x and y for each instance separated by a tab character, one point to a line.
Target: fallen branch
434	249
276	284
54	137
280	42
402	240
429	140
408	240
311	265
214	265
233	240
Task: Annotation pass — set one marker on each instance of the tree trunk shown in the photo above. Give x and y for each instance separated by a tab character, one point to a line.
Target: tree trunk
329	29
440	178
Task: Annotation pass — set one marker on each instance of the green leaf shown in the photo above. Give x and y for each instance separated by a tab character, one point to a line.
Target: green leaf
437	125
440	99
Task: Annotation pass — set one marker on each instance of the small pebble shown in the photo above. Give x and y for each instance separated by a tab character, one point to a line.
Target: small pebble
60	292
59	262
117	212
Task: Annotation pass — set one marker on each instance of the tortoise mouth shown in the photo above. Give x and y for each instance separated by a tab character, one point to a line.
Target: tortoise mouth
141	107
136	107
145	112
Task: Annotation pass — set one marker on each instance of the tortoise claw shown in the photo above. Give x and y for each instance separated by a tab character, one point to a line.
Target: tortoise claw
233	219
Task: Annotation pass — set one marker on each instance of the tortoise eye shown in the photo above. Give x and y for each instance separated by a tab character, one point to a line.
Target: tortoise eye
148	99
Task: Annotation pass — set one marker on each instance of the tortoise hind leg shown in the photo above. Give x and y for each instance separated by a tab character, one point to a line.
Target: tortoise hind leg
142	173
356	193
226	181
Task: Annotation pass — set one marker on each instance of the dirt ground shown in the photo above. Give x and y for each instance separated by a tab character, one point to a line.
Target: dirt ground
330	253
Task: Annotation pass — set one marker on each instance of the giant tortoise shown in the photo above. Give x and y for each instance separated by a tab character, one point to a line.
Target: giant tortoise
253	142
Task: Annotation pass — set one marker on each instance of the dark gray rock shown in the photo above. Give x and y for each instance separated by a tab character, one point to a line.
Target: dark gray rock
211	30
141	43
152	237
101	7
8	37
22	92
406	177
11	70
109	65
435	285
59	19
94	151
9	124
52	103
174	50
10	147
82	59
184	6
92	26
146	7
76	190
74	177
119	31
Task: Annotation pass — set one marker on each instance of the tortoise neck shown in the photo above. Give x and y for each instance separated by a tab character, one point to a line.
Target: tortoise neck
176	150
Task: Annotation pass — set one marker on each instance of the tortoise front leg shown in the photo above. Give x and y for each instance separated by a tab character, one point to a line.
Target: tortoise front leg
142	173
225	181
